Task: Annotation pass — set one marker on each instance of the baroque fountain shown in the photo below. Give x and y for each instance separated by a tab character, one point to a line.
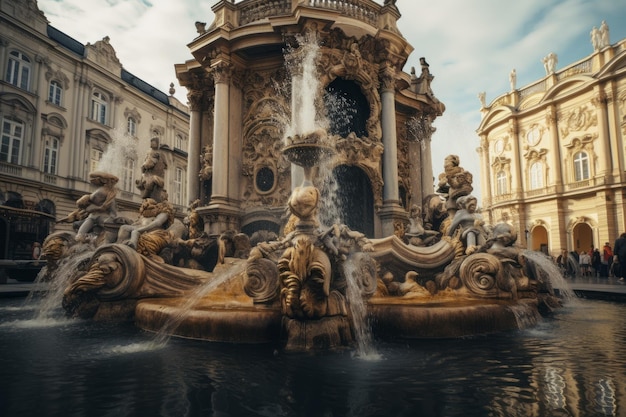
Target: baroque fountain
317	286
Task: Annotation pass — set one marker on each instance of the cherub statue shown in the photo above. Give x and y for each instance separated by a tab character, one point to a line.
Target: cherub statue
152	216
98	206
471	224
459	181
416	234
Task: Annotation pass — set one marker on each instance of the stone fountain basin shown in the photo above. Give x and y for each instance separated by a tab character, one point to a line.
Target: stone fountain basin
214	322
390	318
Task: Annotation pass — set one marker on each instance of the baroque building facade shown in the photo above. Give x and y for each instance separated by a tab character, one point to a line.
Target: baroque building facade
68	109
240	93
553	153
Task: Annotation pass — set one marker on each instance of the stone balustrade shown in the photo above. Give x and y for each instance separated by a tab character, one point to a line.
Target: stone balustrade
250	11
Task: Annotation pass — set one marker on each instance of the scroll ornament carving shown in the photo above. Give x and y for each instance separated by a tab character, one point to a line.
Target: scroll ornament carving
579	120
263	149
104	51
58	75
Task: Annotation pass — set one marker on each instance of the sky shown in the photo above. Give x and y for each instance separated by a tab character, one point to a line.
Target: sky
471	47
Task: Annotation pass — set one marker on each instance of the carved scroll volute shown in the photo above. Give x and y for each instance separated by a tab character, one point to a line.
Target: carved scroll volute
261	282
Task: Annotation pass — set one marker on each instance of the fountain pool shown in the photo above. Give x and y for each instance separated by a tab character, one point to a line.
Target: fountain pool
572	363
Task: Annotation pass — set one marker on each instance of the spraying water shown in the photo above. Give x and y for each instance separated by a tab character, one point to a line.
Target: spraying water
187	307
358	309
47	311
552	272
121	148
305	87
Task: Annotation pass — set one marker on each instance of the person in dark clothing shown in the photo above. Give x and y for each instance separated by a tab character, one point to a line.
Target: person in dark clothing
619	255
596	261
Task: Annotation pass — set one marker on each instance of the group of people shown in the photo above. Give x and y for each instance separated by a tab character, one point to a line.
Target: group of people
607	262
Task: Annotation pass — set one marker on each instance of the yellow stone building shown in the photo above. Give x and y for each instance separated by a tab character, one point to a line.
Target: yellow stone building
553	153
64	106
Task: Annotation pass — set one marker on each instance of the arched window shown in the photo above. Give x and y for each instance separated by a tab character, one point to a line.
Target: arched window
536	175
12	139
51	155
501	188
581	166
131	126
94	160
181	142
55	92
179	186
99	107
128	183
18	70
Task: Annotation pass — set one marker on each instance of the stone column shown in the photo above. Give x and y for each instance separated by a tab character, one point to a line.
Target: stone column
556	171
235	133
486	174
388	121
603	150
392	215
222	74
194	151
614	126
518	185
35	157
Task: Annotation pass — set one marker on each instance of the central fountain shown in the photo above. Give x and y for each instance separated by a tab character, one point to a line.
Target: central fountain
316	286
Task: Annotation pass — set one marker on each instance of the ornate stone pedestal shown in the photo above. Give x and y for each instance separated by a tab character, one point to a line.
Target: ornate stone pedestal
311	335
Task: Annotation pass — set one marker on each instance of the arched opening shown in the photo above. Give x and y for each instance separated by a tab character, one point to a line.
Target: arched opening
347	198
260	226
539	239
583	237
347	108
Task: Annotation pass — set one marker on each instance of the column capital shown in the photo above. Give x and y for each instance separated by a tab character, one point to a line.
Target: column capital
195	98
222	71
387	77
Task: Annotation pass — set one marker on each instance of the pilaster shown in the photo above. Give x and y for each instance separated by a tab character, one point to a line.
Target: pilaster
391	212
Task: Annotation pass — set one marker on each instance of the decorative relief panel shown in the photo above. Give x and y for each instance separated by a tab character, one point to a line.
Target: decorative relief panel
267	180
577	120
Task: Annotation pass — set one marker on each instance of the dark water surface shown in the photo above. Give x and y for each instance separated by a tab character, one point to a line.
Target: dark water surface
572	364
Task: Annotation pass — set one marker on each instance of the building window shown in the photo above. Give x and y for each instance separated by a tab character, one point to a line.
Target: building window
95	157
50	157
99	107
54	93
536	175
12	138
501	183
131	126
18	70
129	175
181	142
179	186
581	166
